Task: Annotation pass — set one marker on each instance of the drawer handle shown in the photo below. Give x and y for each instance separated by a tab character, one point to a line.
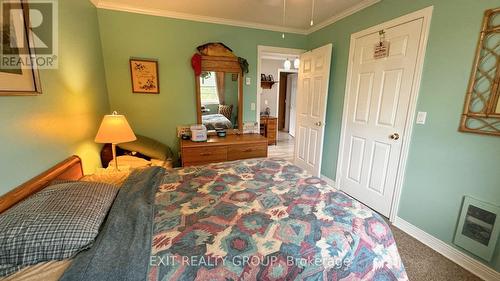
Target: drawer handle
205	154
248	150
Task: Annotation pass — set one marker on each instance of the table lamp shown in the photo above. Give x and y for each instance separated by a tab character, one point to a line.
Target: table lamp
114	129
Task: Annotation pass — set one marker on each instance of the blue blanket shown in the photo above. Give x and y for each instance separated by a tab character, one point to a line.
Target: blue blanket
120	250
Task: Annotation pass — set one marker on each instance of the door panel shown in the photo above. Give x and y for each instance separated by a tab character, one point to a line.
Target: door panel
314	76
391	88
304	98
376	108
364	91
378	167
316	101
356	152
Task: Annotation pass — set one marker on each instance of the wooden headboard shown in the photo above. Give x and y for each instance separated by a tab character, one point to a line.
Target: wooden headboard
69	169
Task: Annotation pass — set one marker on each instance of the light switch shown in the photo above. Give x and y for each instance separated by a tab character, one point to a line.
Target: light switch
421	116
252	106
266	102
248	81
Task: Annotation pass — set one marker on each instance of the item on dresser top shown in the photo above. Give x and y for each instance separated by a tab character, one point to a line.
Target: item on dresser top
198	133
57	223
221	132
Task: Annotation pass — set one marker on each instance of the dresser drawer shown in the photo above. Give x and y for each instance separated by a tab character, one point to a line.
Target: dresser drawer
203	155
246	151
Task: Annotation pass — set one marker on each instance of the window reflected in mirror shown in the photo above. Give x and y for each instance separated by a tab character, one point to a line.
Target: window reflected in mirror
219	100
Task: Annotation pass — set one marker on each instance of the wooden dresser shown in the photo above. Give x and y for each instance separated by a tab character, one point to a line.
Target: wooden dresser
269	128
217	149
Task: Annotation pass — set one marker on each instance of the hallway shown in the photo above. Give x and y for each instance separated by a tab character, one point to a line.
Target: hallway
284	148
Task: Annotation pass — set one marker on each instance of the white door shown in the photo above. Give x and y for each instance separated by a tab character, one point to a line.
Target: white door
293	103
377	107
314	76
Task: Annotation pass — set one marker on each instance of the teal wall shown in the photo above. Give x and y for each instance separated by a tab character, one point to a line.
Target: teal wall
443	164
37	132
172	42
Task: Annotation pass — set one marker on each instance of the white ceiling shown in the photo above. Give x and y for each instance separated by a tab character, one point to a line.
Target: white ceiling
261	14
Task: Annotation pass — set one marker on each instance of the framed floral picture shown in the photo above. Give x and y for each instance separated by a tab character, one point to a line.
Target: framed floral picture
144	75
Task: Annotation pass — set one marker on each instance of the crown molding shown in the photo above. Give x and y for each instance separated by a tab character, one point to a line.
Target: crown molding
360	6
184	16
103	4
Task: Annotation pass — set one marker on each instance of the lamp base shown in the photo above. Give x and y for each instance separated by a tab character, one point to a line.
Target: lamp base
113	148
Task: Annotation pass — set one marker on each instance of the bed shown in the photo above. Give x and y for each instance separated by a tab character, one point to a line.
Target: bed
259	219
212	121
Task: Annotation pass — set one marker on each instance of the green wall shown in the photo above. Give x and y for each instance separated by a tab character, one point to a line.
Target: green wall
172	42
443	164
37	132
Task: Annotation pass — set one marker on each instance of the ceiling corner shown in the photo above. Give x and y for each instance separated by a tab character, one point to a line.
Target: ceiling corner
361	6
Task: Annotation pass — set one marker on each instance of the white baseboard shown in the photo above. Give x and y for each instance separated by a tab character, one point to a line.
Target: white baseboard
475	267
329	181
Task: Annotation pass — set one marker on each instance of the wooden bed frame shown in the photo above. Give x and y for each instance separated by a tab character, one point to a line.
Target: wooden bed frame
69	169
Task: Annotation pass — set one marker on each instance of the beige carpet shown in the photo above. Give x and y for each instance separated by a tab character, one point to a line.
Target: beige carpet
424	264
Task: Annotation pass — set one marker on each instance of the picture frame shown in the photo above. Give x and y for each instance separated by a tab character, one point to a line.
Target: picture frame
18	80
144	76
478	228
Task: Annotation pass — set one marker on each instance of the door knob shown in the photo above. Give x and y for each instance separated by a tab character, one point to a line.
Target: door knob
394	136
318	123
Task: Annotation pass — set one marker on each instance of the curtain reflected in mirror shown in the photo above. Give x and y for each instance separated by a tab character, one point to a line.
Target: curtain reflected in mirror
219	100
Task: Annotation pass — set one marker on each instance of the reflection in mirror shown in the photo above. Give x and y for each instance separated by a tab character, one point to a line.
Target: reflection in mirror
219	100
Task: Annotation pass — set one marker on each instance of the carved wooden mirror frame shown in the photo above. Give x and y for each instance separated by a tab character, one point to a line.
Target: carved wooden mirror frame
481	110
221	64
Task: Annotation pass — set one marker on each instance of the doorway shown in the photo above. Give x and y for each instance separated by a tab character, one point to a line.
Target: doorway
276	98
379	108
286	101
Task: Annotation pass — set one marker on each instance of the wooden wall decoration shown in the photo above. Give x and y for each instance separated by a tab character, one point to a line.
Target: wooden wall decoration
482	106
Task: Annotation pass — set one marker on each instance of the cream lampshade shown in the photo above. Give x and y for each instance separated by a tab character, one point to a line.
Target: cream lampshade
114	129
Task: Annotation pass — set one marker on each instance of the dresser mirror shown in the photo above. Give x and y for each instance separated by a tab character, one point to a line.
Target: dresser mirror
219	100
482	103
219	94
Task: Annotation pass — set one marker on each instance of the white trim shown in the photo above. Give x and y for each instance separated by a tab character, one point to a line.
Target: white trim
426	15
261	50
344	14
329	181
474	266
199	18
103	4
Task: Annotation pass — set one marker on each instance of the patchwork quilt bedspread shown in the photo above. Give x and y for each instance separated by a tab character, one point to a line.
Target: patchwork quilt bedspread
265	219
